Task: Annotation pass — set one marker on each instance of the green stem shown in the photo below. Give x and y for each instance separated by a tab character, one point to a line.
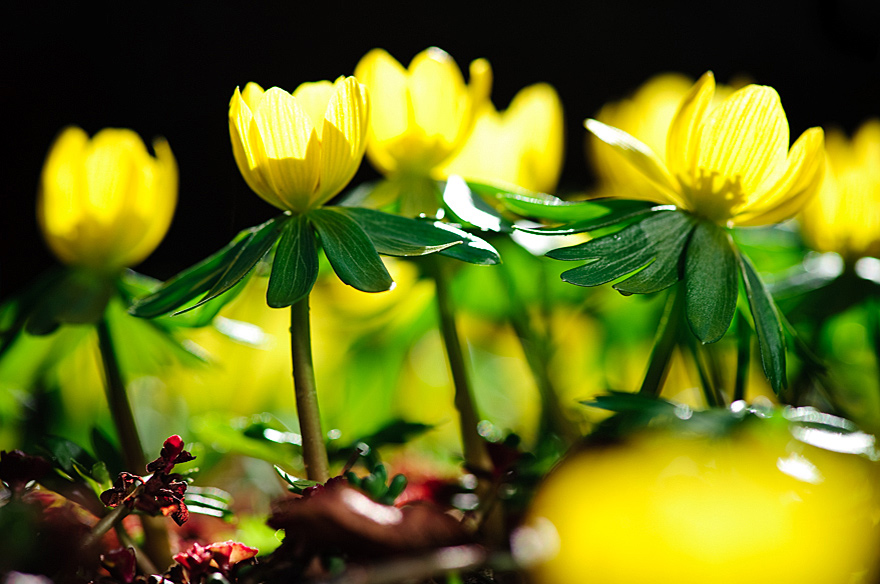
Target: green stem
664	344
743	356
475	455
313	447
117	399
537	347
708	390
156	544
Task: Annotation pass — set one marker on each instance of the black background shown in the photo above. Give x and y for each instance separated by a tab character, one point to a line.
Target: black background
170	70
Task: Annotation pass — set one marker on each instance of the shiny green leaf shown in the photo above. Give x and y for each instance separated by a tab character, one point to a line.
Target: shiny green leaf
464	200
710	282
611	257
578	216
350	251
400	236
295	266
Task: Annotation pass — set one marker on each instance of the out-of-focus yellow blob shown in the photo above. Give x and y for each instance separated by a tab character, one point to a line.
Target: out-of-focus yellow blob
845	216
423	114
522	145
757	506
105	203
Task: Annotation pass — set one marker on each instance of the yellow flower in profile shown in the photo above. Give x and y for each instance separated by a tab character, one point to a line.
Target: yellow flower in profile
730	163
106	203
421	115
522	146
845	216
298	150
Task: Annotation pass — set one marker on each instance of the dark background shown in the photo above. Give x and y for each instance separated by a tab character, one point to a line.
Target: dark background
170	71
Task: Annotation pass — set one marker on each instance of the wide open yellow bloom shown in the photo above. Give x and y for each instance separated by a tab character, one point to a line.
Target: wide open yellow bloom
299	150
421	115
106	203
522	146
731	163
845	216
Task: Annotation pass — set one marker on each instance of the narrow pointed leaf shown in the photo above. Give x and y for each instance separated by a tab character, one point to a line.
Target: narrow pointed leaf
203	276
540	206
669	233
295	267
710	282
259	244
771	341
400	236
350	251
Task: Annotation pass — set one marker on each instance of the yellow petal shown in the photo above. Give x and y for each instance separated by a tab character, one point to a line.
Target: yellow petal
62	183
240	118
252	95
156	206
439	96
391	109
641	157
313	98
745	138
286	148
799	182
684	130
344	137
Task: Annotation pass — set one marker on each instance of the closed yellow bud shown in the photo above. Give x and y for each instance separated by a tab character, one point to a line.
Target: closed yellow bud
106	203
845	216
421	115
297	151
522	145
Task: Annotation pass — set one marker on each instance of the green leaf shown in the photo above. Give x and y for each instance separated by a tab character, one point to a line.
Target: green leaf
771	341
579	216
669	233
710	282
463	200
134	285
297	485
474	250
400	236
213	275
295	267
350	251
612	256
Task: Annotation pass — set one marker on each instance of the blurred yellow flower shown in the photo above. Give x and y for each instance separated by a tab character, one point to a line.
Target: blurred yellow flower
845	216
646	116
731	163
298	150
522	146
421	115
106	203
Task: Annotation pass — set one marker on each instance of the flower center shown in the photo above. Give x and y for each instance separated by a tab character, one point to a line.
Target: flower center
714	196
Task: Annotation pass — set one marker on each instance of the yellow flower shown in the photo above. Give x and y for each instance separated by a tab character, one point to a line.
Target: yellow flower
421	115
731	163
105	203
522	146
299	150
845	216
